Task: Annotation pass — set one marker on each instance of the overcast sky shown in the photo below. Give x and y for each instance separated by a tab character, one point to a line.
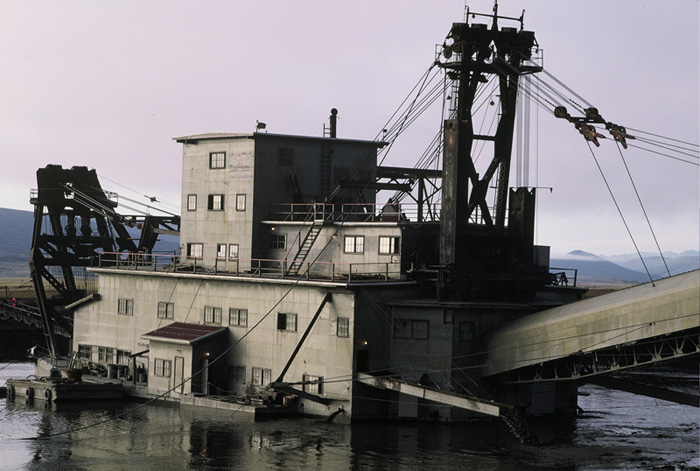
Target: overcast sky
108	84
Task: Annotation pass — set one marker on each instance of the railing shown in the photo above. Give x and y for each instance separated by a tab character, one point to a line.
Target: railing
563	276
257	268
367	212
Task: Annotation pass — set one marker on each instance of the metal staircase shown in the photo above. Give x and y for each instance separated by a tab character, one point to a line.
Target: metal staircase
305	247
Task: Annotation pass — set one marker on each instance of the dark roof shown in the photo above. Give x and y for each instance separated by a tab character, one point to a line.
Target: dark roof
180	332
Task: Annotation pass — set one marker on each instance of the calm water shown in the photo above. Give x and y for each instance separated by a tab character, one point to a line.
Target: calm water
617	431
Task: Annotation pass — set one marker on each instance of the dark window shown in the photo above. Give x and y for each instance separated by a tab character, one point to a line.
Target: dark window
236	373
285	157
278	241
411	329
286	322
466	331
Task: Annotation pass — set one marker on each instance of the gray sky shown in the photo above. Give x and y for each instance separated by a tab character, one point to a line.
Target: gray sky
108	84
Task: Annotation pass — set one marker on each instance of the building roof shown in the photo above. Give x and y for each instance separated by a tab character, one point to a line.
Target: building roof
194	138
181	332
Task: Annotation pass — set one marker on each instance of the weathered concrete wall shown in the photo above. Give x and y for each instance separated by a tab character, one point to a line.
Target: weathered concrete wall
323	354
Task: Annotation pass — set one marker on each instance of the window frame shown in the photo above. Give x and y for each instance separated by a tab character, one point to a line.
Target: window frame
342	328
217	160
351	242
236	374
313	388
392	247
125	306
85	351
166	310
219	255
240	202
264	373
192	245
278	241
241	317
215	202
290	322
162	367
192	202
212	315
230	256
408	330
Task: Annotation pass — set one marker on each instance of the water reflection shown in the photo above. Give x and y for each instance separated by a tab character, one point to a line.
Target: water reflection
114	436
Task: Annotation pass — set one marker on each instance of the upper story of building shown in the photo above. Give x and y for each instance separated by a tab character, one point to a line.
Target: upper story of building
259	196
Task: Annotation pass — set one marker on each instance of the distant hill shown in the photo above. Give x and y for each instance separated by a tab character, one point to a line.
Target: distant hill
627	268
677	263
15	242
16	229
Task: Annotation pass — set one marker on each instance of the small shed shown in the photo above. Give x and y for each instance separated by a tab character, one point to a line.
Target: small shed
180	356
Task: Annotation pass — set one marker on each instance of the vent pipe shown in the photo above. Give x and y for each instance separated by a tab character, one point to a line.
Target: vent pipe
334	122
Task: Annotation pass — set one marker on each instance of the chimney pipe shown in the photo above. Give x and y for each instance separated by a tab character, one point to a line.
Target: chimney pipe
334	122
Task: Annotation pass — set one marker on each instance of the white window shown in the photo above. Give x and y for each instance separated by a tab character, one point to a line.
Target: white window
166	310
232	251
215	203
217	160
212	315
238	317
388	245
343	327
191	202
162	367
221	251
313	384
354	244
236	373
278	241
195	249
125	306
240	202
262	376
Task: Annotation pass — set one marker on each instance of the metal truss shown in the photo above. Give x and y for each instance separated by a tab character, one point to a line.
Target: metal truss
609	360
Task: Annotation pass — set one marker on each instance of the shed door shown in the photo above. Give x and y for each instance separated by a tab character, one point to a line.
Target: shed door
179	374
